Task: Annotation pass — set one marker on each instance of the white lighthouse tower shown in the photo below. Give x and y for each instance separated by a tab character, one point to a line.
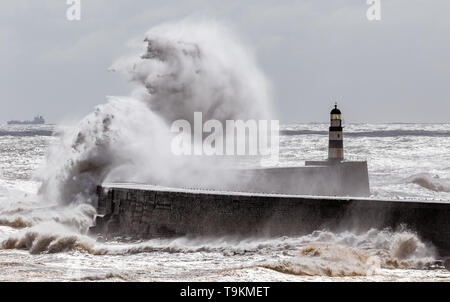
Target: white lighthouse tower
339	176
336	142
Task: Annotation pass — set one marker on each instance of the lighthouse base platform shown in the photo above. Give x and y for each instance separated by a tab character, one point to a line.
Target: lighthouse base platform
324	178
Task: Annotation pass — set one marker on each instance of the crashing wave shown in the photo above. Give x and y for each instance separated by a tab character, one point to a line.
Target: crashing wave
430	182
184	68
321	253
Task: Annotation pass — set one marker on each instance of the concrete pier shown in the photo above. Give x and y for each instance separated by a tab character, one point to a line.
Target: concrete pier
346	178
144	211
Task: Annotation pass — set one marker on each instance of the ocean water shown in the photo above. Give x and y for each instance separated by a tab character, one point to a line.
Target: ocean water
41	240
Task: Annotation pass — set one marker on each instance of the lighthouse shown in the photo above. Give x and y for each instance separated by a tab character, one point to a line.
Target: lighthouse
336	143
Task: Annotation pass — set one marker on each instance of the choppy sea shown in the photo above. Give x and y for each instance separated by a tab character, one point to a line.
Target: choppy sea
45	241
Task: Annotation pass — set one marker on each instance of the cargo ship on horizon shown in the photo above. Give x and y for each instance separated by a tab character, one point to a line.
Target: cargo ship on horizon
38	120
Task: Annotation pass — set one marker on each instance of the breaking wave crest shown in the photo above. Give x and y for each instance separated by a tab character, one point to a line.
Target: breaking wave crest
48	237
430	182
15	222
321	253
347	254
79	217
328	260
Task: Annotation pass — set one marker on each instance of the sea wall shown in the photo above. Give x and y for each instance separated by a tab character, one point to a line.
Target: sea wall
143	211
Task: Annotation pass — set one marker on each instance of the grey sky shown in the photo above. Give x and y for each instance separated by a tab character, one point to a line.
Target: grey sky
313	52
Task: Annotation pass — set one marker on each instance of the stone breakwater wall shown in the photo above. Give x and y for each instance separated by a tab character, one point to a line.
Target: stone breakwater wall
148	211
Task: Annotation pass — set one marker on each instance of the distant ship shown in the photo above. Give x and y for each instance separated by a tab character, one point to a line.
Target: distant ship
38	120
